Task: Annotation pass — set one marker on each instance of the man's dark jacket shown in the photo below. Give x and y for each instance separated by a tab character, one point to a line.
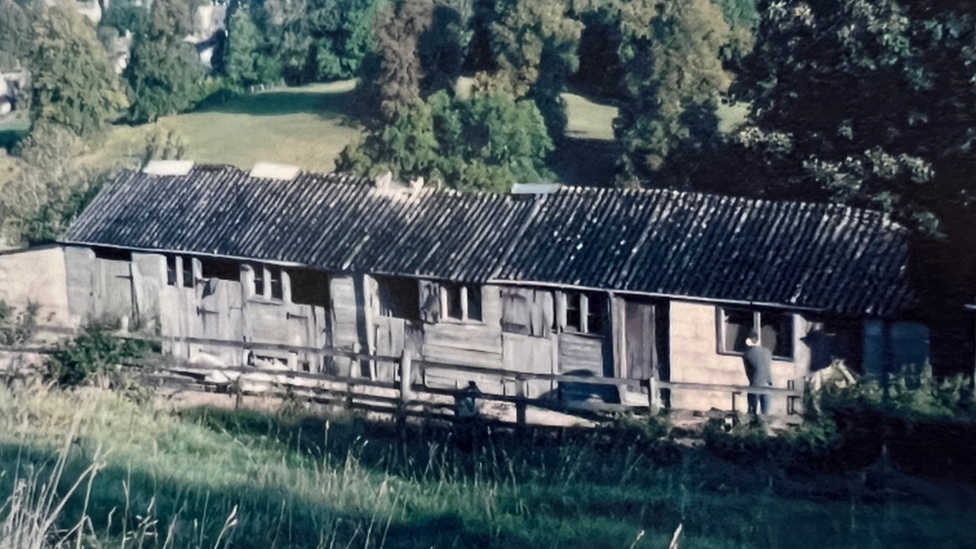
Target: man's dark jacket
759	366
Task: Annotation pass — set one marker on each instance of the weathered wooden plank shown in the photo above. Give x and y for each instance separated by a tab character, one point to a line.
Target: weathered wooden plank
577	352
452	355
473	337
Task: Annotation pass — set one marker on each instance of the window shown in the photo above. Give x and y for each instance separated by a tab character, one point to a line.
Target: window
596	312
171	270
775	331
526	311
399	297
187	272
258	280
574	308
220	268
586	312
112	254
473	299
463	302
309	287
454	309
277	290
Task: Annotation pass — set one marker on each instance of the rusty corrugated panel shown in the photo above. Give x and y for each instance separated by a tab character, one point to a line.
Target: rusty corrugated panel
654	241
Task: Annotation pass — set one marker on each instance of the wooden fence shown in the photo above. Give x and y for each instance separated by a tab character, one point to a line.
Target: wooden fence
409	388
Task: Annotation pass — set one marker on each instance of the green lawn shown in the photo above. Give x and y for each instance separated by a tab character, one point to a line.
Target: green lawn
309	126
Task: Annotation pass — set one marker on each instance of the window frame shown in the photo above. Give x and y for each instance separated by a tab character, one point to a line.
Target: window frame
721	333
172	270
585	304
456	300
272	280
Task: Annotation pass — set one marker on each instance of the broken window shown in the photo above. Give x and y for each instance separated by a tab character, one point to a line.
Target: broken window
574	308
399	297
586	312
258	280
277	289
454	308
463	302
527	312
171	270
187	272
222	269
473	299
775	330
597	309
112	254
309	287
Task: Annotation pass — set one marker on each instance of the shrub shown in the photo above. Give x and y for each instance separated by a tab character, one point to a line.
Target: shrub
19	328
90	354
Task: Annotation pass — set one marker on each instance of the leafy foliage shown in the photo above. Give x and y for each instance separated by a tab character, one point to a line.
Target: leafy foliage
673	76
863	102
486	142
16	31
19	328
162	145
89	354
534	44
248	60
73	84
51	188
164	73
318	39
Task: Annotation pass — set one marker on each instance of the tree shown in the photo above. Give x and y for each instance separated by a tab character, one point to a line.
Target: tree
673	77
392	75
73	84
863	103
318	39
164	72
51	188
247	60
16	32
486	142
534	44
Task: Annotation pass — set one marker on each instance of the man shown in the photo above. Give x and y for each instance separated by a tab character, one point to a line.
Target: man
466	413
758	361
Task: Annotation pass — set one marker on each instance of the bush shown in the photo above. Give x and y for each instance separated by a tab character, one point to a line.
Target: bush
910	415
90	354
20	328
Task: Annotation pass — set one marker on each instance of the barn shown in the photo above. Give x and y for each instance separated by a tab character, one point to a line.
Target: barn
631	283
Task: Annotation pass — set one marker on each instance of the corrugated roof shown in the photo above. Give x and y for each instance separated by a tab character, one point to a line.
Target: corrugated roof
813	256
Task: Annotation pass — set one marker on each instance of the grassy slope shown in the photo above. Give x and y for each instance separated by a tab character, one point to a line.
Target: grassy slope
316	482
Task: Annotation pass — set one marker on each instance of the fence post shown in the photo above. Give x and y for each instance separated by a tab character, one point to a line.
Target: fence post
520	404
406	392
653	396
406	377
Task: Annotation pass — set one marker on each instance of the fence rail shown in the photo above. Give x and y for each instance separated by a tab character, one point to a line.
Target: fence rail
403	387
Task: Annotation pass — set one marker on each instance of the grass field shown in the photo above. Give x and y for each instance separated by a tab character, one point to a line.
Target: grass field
206	477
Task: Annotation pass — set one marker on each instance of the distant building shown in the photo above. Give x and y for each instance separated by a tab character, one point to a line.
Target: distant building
598	282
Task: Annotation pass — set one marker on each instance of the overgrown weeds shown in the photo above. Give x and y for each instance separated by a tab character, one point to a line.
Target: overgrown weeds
172	479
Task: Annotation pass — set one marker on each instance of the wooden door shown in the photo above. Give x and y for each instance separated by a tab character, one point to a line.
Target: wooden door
645	339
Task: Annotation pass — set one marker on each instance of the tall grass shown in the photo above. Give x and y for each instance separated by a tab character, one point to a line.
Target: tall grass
142	476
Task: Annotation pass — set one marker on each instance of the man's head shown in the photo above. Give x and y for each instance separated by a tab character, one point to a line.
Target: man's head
753	339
